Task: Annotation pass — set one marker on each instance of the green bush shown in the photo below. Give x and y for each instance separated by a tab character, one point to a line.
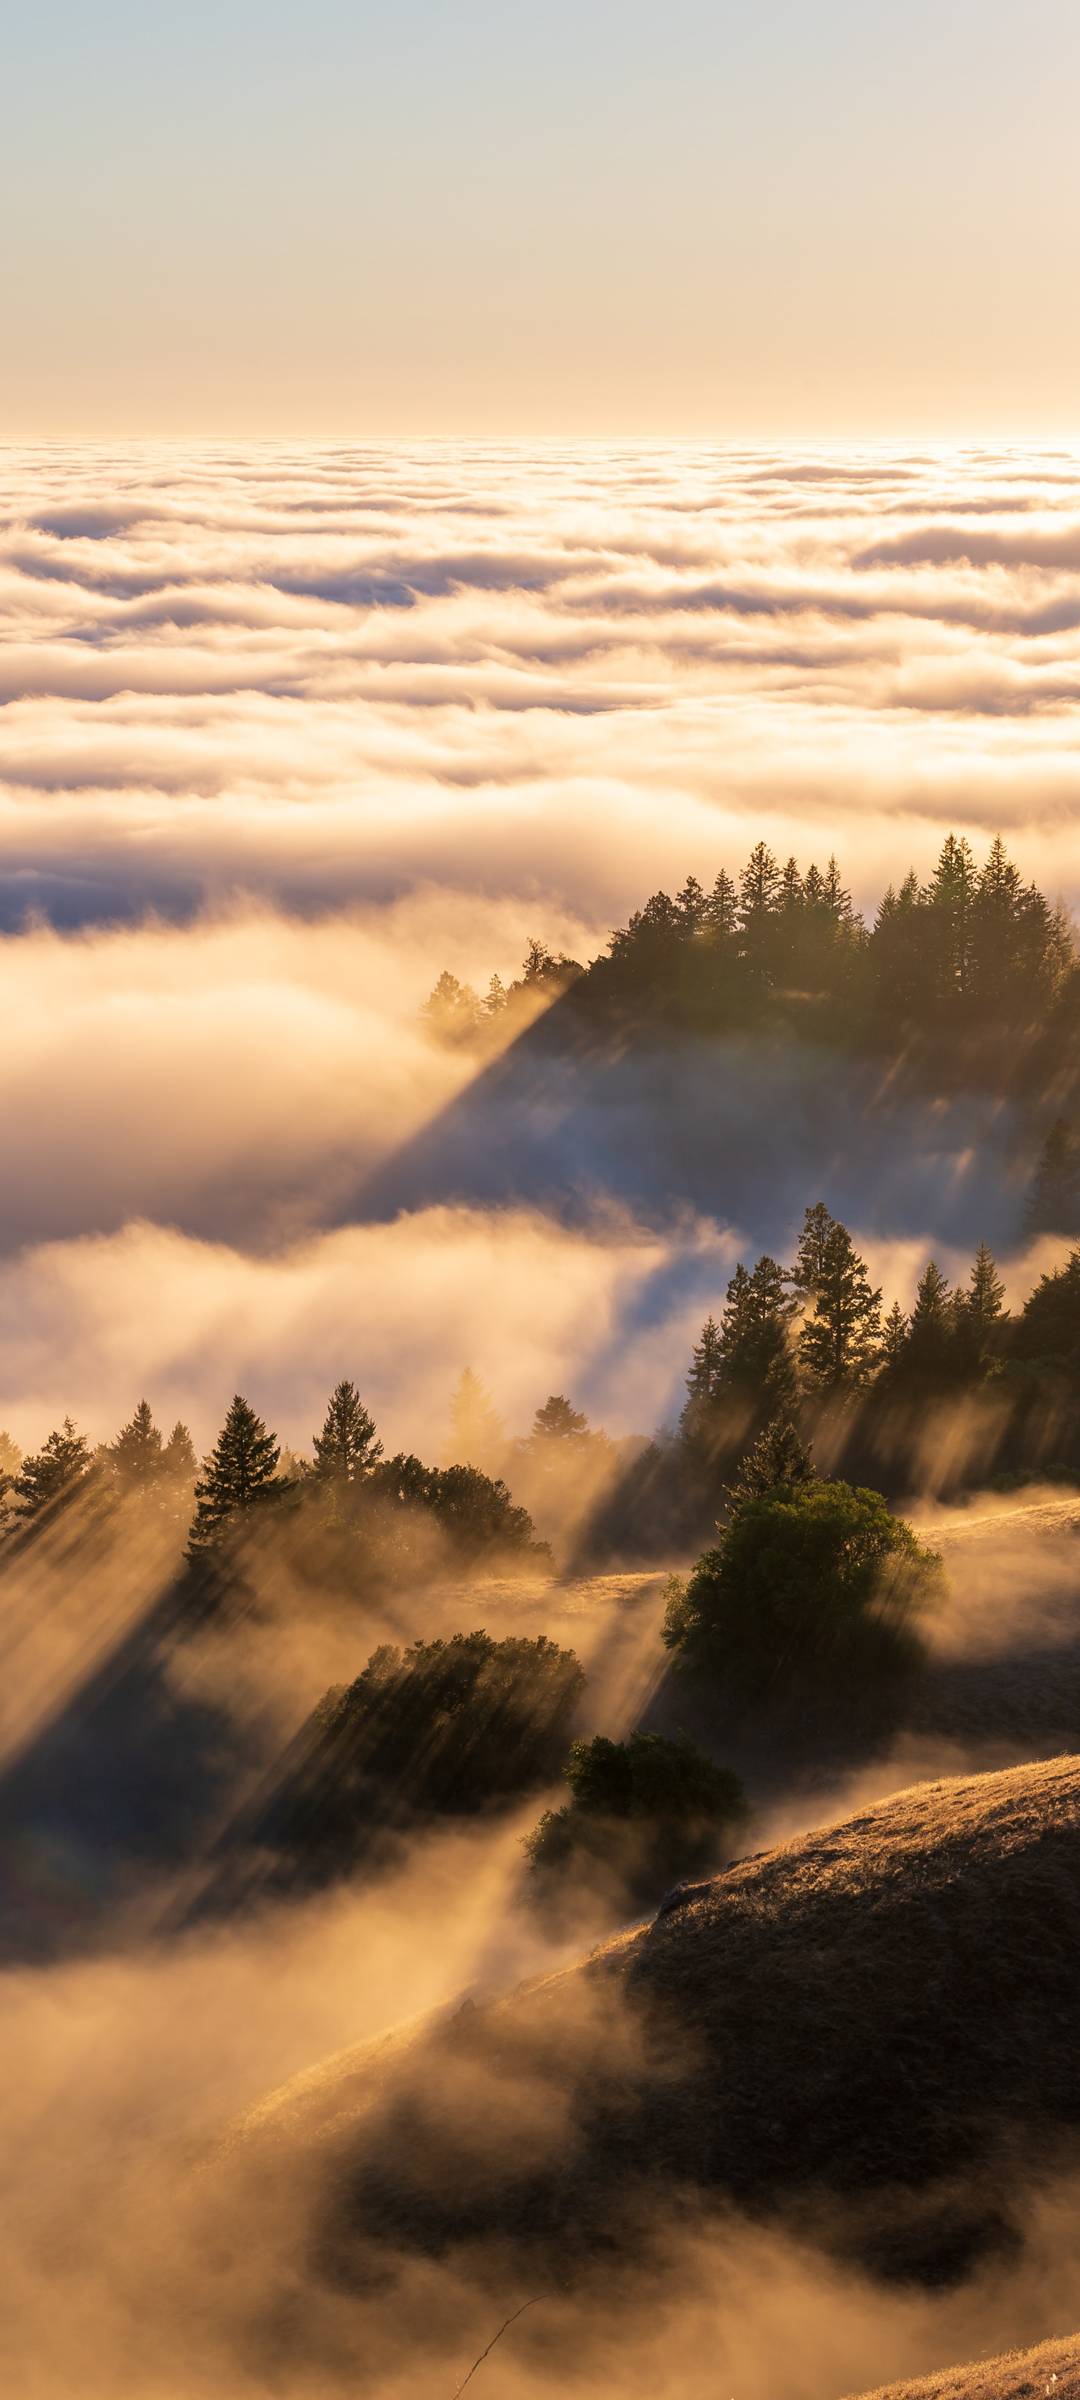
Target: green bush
815	1581
644	1811
440	1728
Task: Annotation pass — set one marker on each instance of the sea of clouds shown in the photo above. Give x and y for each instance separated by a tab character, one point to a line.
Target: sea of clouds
284	731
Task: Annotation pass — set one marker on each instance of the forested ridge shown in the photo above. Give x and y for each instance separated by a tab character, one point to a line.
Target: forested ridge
942	1398
972	964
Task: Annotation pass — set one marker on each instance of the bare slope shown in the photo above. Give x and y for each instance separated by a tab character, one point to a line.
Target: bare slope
876	2024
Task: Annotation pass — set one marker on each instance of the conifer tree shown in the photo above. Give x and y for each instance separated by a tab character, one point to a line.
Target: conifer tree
54	1473
951	896
178	1458
755	1353
985	1299
705	1362
894	1338
1054	1202
934	1322
347	1448
777	1456
692	906
477	1432
759	885
721	909
136	1455
557	1422
239	1475
839	1342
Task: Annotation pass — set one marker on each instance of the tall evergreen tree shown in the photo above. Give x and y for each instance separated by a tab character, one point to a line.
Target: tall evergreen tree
239	1475
951	896
1054	1202
178	1457
692	906
984	1301
347	1448
894	1338
839	1342
53	1475
759	885
136	1455
705	1363
755	1360
722	909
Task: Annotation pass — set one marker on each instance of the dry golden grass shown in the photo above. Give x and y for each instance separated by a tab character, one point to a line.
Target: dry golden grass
1049	2372
872	2030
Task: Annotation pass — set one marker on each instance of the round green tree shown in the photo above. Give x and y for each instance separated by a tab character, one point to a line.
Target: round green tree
812	1581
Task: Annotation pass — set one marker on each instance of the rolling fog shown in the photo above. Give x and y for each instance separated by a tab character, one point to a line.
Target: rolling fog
284	733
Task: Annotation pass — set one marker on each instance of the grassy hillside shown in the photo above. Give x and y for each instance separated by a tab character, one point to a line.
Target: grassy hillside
847	2031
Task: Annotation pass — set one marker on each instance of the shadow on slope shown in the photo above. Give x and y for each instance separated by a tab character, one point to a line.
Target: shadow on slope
582	1109
846	2031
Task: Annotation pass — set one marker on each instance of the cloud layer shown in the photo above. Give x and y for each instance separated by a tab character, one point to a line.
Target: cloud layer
326	673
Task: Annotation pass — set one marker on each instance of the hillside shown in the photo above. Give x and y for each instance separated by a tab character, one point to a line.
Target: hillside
1051	2367
845	2032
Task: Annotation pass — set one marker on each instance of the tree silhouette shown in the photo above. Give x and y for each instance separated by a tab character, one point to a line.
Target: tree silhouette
239	1475
1054	1202
136	1455
347	1447
53	1474
839	1343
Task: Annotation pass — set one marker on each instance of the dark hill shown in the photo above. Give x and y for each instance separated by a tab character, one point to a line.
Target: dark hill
872	2029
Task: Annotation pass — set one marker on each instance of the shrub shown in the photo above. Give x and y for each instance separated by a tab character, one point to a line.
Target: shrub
442	1727
811	1581
644	1810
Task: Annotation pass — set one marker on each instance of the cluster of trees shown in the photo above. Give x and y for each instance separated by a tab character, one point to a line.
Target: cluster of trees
349	1488
139	1463
973	948
812	1343
440	1728
813	1584
454	1014
976	943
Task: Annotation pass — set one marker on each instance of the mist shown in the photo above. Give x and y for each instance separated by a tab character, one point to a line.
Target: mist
284	734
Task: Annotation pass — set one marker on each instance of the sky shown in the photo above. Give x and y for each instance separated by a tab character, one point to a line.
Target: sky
468	217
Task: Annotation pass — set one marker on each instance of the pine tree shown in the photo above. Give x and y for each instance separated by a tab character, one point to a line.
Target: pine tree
692	906
557	1422
178	1458
721	909
55	1472
836	899
1054	1202
778	1456
790	894
951	896
759	885
706	1359
813	1241
934	1322
894	1338
839	1342
347	1448
239	1475
755	1353
984	1302
136	1455
477	1432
